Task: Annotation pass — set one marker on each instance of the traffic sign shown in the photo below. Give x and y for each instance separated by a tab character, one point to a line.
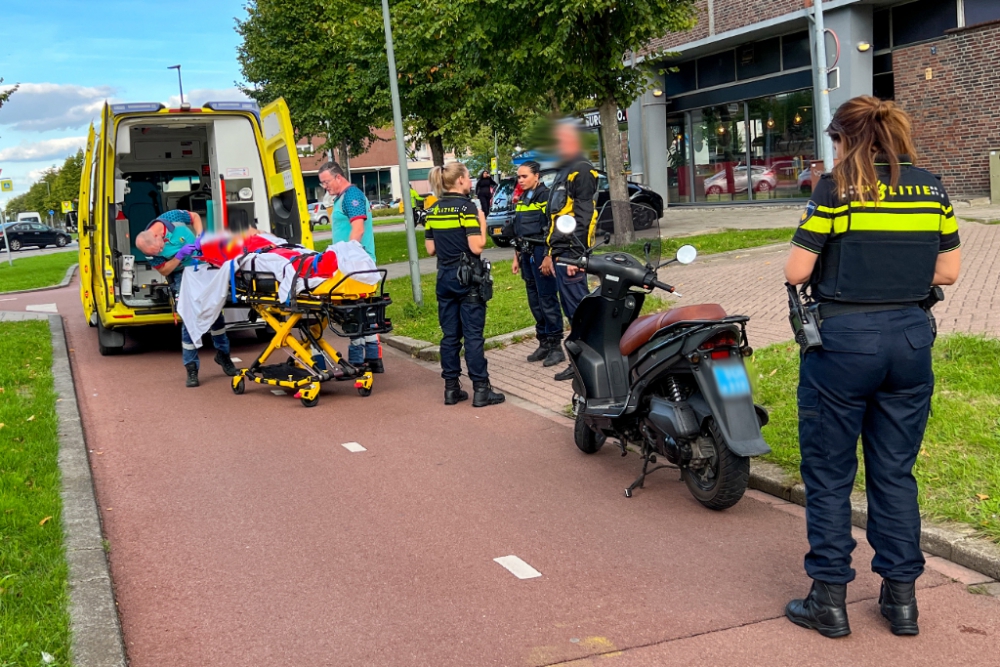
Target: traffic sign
6	185
51	212
67	206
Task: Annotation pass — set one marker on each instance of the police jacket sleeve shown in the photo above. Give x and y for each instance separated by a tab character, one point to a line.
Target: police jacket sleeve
817	221
949	226
583	190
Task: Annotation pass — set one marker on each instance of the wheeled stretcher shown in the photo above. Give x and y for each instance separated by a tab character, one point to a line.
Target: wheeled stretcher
349	305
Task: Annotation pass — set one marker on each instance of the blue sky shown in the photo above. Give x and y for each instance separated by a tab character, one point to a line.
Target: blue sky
71	55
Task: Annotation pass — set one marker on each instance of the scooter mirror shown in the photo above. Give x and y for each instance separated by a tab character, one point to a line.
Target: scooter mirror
686	254
566	224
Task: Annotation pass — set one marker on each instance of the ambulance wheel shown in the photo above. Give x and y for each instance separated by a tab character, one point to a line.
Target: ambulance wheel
310	402
364	391
109	342
239	387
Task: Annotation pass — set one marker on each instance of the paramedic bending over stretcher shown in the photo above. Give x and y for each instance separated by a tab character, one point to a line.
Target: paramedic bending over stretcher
169	242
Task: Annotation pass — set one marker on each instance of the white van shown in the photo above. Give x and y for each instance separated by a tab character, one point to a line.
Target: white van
232	162
30	216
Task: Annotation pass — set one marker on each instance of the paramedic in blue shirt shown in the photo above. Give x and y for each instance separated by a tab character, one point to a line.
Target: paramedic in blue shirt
169	242
351	220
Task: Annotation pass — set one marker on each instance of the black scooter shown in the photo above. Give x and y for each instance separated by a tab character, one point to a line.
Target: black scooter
673	383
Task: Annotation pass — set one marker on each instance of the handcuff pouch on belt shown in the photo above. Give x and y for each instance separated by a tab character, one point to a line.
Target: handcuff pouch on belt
478	275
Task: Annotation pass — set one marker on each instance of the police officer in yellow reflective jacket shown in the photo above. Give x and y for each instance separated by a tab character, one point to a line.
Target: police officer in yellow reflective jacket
456	234
876	236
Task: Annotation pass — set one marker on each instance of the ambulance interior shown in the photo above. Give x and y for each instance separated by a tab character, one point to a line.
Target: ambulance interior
166	163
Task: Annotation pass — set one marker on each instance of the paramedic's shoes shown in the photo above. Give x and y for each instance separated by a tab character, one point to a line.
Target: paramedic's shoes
485	395
453	392
567	374
192	379
226	362
898	603
375	365
824	610
555	356
541	352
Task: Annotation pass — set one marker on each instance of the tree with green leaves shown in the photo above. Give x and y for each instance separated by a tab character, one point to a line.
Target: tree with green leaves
579	51
5	95
57	184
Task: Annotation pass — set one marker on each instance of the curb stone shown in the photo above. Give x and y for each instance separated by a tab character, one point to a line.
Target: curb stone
65	281
955	542
94	625
427	351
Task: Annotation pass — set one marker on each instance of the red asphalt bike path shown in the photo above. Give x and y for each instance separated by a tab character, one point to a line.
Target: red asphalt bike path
243	533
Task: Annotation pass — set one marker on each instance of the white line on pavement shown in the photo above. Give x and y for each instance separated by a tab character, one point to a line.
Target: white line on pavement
279	392
42	308
13	298
518	567
353	447
236	360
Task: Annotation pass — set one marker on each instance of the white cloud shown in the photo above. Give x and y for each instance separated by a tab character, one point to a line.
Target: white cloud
43	150
38	107
199	96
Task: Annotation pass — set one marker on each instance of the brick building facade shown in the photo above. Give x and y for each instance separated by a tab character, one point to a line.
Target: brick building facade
735	118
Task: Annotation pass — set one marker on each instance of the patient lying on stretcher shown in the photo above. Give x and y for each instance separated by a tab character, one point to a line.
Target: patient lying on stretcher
218	249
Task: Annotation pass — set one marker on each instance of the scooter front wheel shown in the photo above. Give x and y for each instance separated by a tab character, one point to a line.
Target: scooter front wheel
721	482
586	440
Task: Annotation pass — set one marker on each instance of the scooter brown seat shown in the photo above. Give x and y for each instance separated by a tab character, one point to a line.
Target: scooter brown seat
645	327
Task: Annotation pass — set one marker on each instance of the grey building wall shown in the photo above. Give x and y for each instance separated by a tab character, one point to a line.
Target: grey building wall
853	25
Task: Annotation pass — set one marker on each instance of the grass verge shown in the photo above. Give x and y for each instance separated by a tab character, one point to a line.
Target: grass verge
34	272
33	594
390	248
958	468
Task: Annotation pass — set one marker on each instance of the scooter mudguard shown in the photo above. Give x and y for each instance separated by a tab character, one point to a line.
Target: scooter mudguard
725	395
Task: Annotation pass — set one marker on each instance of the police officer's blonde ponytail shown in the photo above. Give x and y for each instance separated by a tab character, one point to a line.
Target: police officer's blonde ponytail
443	179
869	129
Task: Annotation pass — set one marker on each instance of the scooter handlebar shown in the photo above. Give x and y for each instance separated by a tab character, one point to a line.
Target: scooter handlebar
665	287
580	262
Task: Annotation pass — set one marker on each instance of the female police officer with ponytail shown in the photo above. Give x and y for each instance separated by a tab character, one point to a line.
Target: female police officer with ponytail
456	234
876	236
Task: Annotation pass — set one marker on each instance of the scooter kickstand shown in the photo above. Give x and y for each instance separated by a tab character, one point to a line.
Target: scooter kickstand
641	479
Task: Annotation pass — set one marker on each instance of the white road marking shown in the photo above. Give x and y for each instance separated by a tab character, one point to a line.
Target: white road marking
353	447
43	308
13	298
518	567
236	360
279	392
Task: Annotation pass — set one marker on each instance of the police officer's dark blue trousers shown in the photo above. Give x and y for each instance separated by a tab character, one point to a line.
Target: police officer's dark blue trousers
572	289
543	294
461	318
872	378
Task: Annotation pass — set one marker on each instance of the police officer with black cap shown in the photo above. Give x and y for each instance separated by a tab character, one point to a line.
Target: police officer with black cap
455	232
877	237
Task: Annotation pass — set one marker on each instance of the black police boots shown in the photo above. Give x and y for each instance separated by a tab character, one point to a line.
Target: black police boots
192	379
375	365
567	374
485	395
541	352
555	355
226	362
898	602
824	610
453	392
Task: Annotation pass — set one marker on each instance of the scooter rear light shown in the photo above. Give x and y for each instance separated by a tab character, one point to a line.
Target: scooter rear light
722	339
720	354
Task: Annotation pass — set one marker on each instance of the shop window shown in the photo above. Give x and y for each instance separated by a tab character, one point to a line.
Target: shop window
684	80
758	59
883	80
981	11
795	51
922	20
717	69
882	30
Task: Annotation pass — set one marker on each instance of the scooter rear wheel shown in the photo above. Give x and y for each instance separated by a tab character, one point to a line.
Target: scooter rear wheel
586	440
722	482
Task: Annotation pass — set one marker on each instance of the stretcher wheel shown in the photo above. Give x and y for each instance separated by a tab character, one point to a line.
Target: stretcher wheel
310	402
364	391
239	386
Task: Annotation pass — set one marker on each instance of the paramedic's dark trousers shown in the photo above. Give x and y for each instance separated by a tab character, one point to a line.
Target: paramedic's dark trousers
543	294
219	339
572	289
461	318
872	378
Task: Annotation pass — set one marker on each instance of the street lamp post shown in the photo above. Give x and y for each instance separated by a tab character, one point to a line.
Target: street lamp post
180	85
821	80
404	172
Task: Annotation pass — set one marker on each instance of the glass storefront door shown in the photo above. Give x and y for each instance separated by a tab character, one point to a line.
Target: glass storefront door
720	153
782	144
678	162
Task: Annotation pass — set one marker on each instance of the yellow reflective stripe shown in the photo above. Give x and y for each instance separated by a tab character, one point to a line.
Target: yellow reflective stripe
949	225
831	210
594	173
887	222
898	205
817	225
840	224
470	221
444	221
592	230
572	176
567	209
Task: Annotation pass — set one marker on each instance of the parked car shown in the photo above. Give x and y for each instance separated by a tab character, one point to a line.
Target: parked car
318	214
647	206
764	180
25	234
805	181
378	204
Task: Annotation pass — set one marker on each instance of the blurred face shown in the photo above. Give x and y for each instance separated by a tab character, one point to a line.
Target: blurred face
334	184
464	184
567	141
151	241
526	179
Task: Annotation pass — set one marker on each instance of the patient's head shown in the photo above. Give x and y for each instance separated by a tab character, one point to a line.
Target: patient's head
150	242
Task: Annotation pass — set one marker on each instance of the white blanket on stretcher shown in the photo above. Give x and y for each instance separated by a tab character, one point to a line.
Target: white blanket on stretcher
204	292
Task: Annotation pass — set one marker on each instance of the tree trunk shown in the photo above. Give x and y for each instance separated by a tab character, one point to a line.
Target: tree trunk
620	207
437	150
345	156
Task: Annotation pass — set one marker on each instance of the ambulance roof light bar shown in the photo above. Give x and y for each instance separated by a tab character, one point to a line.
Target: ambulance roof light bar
135	107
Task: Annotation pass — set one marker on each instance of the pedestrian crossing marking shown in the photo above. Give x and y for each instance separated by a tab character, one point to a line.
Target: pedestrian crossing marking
518	567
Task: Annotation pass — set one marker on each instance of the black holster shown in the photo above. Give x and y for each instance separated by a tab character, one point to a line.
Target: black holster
477	274
934	298
804	320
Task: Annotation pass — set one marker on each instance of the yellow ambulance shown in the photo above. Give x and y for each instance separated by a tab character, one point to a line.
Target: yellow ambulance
232	162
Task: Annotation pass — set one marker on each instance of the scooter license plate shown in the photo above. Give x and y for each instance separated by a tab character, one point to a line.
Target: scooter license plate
732	380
